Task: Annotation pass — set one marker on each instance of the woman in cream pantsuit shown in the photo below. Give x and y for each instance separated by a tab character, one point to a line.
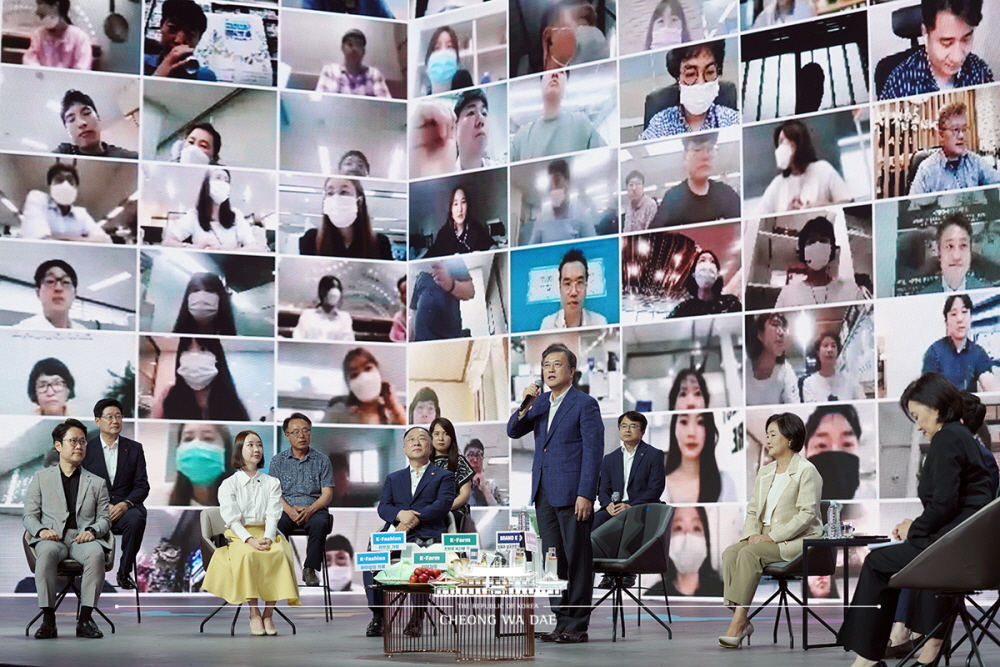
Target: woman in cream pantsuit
783	511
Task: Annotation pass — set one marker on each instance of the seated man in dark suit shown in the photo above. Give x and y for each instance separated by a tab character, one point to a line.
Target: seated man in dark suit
122	464
634	473
415	500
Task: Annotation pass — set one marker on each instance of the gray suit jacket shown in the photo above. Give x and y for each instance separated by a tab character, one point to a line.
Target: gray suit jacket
796	515
45	505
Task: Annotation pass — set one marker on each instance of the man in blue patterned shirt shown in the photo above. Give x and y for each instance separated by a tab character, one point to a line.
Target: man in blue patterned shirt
952	166
946	60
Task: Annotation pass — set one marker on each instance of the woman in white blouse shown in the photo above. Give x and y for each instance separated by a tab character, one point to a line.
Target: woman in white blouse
257	563
783	510
214	224
770	378
804	181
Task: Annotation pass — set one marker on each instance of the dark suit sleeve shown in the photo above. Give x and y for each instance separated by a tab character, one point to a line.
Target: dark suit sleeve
604	494
387	506
140	483
944	462
517	428
444	497
592	430
657	480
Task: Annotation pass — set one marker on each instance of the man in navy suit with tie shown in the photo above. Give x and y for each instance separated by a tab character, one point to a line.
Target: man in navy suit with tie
569	445
416	500
122	464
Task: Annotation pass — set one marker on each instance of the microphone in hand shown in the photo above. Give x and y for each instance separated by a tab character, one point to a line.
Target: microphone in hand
529	399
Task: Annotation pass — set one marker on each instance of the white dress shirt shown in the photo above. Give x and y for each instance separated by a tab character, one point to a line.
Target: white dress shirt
415	475
777	488
627	457
554	404
111	458
250	501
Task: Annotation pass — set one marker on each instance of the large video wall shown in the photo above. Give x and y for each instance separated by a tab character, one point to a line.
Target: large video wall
376	212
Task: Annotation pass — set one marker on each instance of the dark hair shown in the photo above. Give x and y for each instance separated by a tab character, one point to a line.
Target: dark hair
106	403
947	111
354	34
934	391
434	38
675	390
790	426
50	366
423	395
705	572
973	413
970	11
559	166
400	282
362	226
338	543
846	411
805	152
559	347
952	298
44	267
237	459
676	10
59	432
224	324
634	416
575	255
475	443
449	428
692	285
357	154
72	97
451	199
185	13
62	6
224	402
709	478
183	491
205	202
62	168
207	127
469	97
817	228
689	141
753	344
819	341
810	81
953	219
292	417
327	283
352	400
675	57
635	173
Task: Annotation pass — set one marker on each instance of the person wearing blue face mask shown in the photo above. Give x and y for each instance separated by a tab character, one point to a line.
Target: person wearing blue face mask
441	63
200	458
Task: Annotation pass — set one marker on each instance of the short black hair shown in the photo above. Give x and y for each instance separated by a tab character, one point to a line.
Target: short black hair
475	443
791	427
575	255
956	219
44	267
50	366
106	403
560	167
846	411
357	154
62	6
59	432
400	282
290	418
634	416
355	34
72	97
423	395
950	301
216	137
338	543
559	347
327	283
635	173
818	228
935	391
469	97
62	168
970	11
677	56
690	141
827	334
186	14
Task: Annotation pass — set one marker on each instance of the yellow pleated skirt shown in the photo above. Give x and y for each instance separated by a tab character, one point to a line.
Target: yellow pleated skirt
238	572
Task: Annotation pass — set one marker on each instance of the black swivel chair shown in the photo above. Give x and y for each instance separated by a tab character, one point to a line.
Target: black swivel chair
670	96
906	24
634	542
822	562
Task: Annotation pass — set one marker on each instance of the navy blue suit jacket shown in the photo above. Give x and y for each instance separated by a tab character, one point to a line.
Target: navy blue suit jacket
569	454
130	482
433	499
646	479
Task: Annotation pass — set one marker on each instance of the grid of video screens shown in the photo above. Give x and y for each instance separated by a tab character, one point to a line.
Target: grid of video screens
377	212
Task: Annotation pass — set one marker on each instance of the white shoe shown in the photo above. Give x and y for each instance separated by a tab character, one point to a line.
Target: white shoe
737	642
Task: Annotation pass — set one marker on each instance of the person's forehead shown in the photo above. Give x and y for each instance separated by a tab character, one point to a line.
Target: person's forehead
56	272
702	56
558	355
573	270
473	105
75	432
834	425
954	231
111	411
78	107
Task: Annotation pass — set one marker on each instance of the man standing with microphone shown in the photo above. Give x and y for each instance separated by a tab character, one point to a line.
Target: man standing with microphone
569	446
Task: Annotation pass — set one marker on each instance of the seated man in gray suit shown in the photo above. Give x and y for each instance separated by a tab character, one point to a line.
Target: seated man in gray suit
67	514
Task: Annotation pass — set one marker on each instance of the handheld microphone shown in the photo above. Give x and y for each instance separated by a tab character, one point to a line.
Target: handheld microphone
528	399
615	497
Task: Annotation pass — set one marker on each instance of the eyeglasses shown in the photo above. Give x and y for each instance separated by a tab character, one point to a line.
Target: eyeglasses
82	442
689	75
43	386
552	365
299	431
959	129
112	418
630	427
64	281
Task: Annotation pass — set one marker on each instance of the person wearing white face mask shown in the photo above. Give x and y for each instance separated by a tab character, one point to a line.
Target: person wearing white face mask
705	284
689	570
214	224
52	215
805	180
205	307
697	70
57	42
204	387
339	562
326	321
817	251
369	400
345	228
667	26
201	144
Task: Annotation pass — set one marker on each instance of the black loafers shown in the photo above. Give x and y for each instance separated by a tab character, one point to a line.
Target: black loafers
46	631
88	630
572	637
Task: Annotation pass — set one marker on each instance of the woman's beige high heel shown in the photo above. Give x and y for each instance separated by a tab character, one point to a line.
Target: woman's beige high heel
256	628
269	628
737	642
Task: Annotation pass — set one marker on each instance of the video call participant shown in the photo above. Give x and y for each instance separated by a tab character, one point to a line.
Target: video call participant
689	568
376	8
779	12
557	131
827	383
945	60
56	42
485	490
306	478
326	321
817	249
182	23
436	313
805	180
573	277
472	129
952	166
202	144
345	228
640	208
705	284
339	562
771	378
83	124
698	198
689	391
810	87
50	387
667	26
570	35
569	447
460	233
954	253
353	163
397	334
200	455
66	515
956	356
415	500
697	70
833	436
634	471
353	77
692	472
433	140
203	386
563	219
783	511
55	287
425	407
52	215
122	464
214	224
442	65
205	307
369	399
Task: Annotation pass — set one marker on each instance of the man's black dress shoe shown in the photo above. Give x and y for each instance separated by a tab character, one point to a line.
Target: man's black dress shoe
89	630
546	636
572	637
374	628
46	631
126	581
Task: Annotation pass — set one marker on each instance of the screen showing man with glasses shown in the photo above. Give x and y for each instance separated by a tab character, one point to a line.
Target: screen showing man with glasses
698	198
55	286
953	165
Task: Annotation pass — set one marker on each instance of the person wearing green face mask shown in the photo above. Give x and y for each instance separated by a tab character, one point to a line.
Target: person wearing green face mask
200	459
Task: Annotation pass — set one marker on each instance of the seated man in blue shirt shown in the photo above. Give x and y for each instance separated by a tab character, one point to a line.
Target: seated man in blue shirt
182	23
946	59
959	359
953	166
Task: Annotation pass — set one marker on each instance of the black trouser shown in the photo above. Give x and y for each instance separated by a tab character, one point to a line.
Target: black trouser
131	526
869	619
317	527
571	538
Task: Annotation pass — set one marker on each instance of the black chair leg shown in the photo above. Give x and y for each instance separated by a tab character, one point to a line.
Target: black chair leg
614	609
777	618
108	620
288	620
232	627
670	634
201	628
138	606
788	615
621	606
327	596
761	607
58	601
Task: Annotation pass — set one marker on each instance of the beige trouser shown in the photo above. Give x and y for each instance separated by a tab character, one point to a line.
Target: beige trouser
742	565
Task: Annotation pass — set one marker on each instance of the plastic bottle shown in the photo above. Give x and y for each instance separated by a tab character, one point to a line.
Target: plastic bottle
551	565
833	521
